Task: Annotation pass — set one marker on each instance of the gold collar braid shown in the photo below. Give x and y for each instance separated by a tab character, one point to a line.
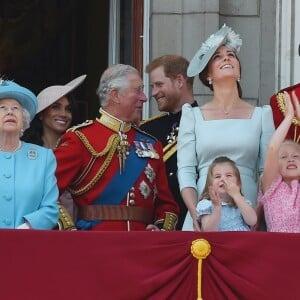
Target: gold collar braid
112	122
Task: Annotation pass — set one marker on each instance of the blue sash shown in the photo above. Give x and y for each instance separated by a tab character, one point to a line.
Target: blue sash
120	184
134	166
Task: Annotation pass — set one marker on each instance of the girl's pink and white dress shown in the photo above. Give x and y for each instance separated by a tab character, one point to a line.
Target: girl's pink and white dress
281	204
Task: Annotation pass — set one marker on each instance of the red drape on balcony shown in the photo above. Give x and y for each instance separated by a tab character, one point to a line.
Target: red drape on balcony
68	265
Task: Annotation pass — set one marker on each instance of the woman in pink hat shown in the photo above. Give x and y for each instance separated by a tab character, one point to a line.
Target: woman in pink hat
55	114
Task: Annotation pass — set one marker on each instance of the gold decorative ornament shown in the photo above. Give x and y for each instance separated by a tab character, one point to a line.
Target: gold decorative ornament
65	221
123	151
200	249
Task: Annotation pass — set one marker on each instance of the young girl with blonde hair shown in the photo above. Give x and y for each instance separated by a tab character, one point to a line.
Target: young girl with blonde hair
280	194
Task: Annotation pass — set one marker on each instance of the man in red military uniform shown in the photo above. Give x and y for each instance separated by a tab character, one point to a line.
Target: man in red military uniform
114	171
278	108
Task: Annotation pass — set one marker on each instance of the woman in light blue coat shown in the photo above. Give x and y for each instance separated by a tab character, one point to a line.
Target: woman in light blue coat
226	125
28	189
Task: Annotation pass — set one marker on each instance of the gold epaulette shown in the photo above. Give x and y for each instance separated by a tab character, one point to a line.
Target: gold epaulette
84	124
295	121
281	105
155	117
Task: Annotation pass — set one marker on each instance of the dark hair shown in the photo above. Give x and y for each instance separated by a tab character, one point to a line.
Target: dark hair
35	132
173	65
216	161
204	74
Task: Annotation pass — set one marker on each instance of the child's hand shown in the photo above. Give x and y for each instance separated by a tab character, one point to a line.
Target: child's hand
288	104
232	188
296	105
214	196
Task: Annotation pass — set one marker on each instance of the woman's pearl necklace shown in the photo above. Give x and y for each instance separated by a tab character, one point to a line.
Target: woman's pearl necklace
14	150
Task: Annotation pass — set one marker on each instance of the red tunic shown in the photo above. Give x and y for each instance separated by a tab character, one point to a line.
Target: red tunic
278	115
150	190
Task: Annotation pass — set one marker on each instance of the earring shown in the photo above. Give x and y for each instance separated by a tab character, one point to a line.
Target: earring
238	79
210	81
21	132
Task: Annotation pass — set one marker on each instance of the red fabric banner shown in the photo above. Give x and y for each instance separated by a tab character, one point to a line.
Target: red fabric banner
74	265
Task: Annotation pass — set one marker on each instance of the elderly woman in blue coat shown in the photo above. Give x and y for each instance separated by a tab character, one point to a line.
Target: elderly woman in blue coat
28	189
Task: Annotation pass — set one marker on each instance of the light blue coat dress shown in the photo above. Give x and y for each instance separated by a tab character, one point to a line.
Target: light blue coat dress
28	189
242	140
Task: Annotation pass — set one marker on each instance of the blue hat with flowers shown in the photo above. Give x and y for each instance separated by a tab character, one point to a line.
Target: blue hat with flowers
10	89
224	36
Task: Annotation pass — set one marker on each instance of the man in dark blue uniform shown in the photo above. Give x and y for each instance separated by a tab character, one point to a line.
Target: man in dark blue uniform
171	88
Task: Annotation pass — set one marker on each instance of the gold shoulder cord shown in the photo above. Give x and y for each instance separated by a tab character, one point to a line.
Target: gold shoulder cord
109	149
295	121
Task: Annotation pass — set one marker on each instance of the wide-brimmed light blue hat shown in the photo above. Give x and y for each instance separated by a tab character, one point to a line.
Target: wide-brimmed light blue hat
224	36
12	90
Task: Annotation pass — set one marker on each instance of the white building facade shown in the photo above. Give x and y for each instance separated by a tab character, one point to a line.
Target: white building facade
269	29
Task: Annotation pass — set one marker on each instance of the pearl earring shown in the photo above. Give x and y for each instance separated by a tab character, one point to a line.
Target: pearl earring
238	79
210	81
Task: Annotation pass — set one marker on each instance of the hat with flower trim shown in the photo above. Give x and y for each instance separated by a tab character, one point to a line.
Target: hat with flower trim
12	90
224	36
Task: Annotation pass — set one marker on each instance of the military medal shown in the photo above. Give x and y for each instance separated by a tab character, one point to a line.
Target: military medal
173	134
144	189
144	149
149	172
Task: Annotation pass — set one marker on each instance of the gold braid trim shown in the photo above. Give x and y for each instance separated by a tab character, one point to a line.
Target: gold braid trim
169	150
91	149
281	105
109	149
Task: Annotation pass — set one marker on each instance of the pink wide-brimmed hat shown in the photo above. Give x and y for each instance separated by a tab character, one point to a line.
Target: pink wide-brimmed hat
53	93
